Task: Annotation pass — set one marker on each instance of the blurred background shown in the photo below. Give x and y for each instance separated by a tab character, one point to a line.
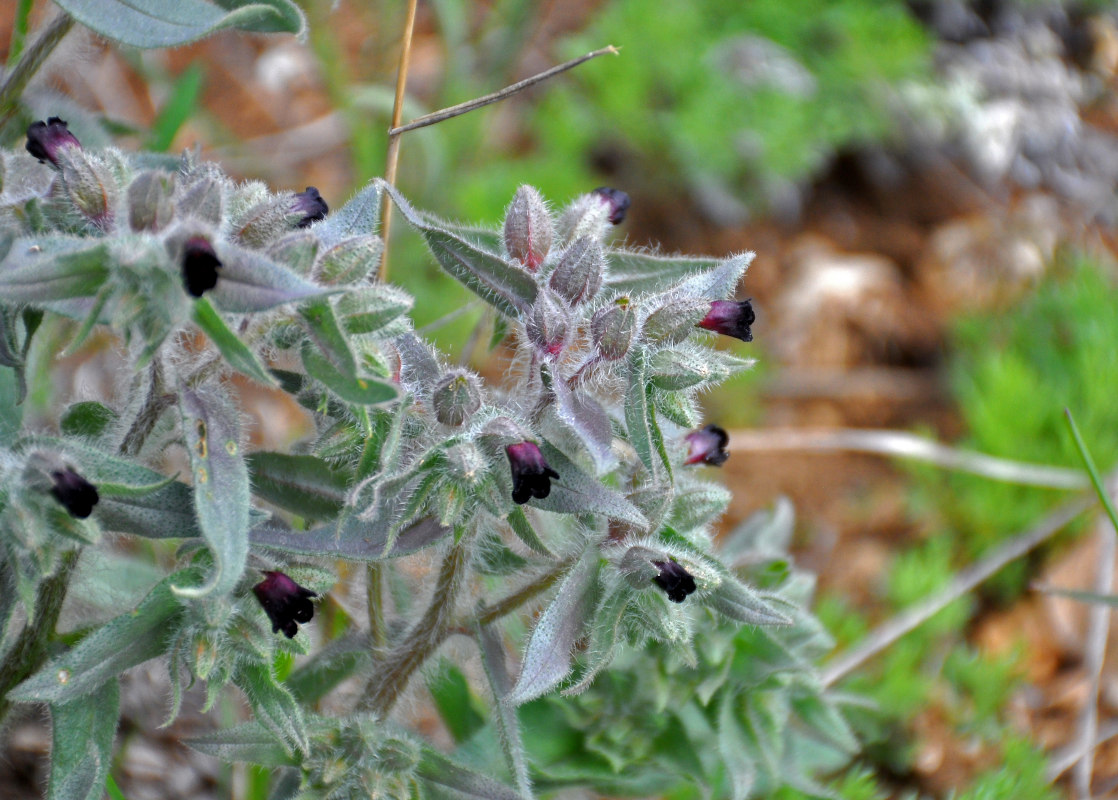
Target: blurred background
930	190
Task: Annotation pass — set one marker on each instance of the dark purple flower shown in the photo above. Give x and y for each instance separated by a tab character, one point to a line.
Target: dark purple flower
285	602
676	582
619	203
730	318
707	445
531	476
46	139
310	204
199	266
74	492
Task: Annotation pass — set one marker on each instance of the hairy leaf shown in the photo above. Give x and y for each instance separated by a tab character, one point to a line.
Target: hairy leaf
249	742
273	705
575	492
82	744
586	419
250	281
508	725
360	216
239	356
305	485
356	541
359	390
437	769
39	269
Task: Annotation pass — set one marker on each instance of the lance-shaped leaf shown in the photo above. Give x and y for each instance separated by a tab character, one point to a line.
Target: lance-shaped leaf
273	705
250	281
585	418
165	513
436	769
575	492
320	321
632	272
733	747
316	677
821	716
356	389
547	658
370	309
40	269
733	599
354	540
718	283
239	356
605	636
638	412
305	485
698	504
121	643
169	23
508	725
522	527
686	367
211	430
88	418
249	742
360	216
507	287
81	753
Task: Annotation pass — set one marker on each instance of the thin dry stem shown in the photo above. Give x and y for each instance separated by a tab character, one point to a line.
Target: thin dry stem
893	629
906	445
30	62
393	155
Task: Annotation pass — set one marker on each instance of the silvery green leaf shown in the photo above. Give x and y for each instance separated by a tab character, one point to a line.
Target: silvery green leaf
360	216
638	413
88	419
273	705
238	355
585	418
305	485
369	309
316	677
605	636
355	540
167	513
547	658
508	725
575	492
489	239
439	772
733	599
249	742
297	251
678	407
685	367
821	716
169	23
633	272
211	430
734	749
81	754
322	324
507	287
718	283
39	269
698	505
127	640
250	281
356	389
349	261
418	366
766	532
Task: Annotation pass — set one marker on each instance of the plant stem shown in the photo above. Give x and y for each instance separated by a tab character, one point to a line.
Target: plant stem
489	614
156	402
30	649
374	593
33	57
386	687
393	155
19	30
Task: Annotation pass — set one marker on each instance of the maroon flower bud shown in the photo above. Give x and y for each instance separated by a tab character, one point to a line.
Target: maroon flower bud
619	203
730	319
310	204
285	602
707	445
199	266
45	140
676	582
531	476
74	492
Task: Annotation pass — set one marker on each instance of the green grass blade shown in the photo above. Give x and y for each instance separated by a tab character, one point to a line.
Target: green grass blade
1092	470
180	106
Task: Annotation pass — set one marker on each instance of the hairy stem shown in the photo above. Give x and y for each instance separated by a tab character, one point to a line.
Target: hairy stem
157	401
386	687
33	57
29	651
489	614
374	594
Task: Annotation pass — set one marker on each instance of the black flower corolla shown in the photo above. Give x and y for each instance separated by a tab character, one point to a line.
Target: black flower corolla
75	493
199	266
707	445
676	582
285	602
531	475
310	204
45	140
730	318
618	200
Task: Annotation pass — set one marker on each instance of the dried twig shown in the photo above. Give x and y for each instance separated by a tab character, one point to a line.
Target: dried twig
907	445
893	629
